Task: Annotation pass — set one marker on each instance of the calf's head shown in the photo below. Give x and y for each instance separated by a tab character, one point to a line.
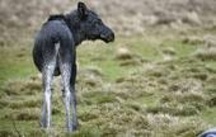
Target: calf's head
92	26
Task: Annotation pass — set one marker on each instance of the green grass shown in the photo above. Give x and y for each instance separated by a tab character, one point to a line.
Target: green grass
145	95
16	61
209	115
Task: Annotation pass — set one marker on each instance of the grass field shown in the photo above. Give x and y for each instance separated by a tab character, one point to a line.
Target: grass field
156	80
158	84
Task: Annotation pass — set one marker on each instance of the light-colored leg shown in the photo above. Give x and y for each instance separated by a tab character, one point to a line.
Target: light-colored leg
47	73
46	109
66	74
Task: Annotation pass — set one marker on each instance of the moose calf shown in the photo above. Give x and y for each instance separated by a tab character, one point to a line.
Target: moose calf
54	54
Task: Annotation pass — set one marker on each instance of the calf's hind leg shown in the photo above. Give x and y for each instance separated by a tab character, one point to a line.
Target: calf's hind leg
65	73
47	82
47	76
69	96
73	101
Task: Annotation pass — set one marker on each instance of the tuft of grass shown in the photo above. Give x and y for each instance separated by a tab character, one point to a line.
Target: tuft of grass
186	85
175	126
207	51
135	106
175	110
211	101
8	133
98	97
86	132
193	40
169	51
183	98
210	89
130	62
22	87
123	53
206	54
29	103
26	114
35	133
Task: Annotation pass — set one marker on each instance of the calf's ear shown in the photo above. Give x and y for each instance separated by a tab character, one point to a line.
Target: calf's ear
82	10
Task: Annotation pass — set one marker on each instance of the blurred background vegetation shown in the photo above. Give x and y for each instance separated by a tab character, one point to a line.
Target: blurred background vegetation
156	80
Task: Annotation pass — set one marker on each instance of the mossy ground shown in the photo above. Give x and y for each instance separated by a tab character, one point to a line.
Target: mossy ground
163	88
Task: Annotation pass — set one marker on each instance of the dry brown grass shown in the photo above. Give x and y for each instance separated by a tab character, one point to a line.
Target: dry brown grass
207	51
26	114
22	87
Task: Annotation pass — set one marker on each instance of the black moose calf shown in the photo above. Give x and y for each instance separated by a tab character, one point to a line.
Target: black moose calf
54	54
